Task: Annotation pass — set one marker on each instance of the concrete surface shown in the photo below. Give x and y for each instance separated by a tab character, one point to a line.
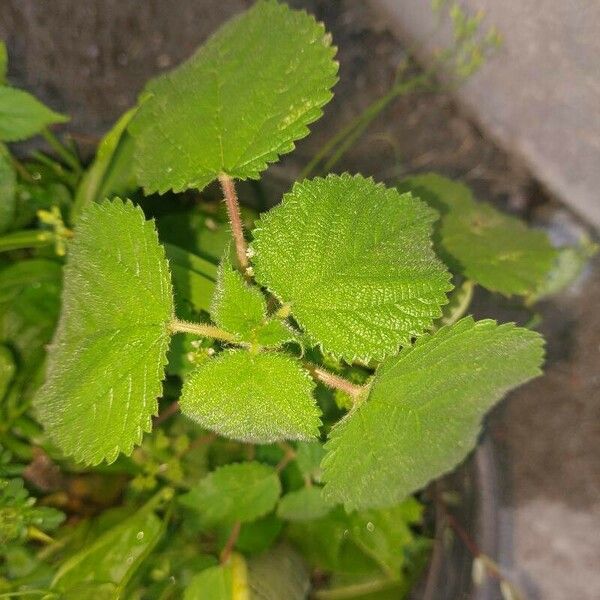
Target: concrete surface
540	95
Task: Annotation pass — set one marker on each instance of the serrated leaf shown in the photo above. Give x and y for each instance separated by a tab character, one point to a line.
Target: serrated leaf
303	505
257	398
22	116
497	251
354	261
236	105
424	411
237	492
113	333
8	189
114	556
237	307
278	574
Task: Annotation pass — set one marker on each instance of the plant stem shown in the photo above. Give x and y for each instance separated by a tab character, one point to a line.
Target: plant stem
28	238
289	454
336	382
231	540
165	414
66	155
358	589
201	329
235	218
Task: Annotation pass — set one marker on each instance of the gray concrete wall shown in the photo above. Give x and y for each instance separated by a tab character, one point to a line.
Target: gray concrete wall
539	95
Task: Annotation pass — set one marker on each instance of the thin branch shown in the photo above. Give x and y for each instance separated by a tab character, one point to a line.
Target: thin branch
289	454
165	414
231	540
336	382
201	329
235	218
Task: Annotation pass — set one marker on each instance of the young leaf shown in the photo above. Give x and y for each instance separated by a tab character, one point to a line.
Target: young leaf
236	492
237	307
354	261
238	103
303	505
257	398
424	411
221	582
112	334
114	556
8	188
22	116
497	251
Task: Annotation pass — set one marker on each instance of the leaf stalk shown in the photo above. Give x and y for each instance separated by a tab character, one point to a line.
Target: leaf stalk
202	330
235	219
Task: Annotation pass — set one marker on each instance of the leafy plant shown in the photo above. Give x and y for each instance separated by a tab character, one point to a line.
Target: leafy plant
300	388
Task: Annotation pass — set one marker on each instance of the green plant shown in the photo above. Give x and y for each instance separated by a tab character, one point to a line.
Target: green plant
300	392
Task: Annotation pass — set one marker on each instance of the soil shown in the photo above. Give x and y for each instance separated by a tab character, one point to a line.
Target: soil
90	59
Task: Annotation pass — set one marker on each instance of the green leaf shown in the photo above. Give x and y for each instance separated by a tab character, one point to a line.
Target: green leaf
258	398
237	492
277	575
111	172
238	103
22	116
113	333
214	583
424	411
308	458
258	536
7	369
237	307
114	556
8	189
303	504
495	250
354	261
193	280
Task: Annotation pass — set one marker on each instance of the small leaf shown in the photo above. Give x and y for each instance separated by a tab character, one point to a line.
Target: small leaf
237	307
8	188
303	505
113	333
238	103
257	398
279	574
308	458
22	116
354	261
114	556
497	251
272	334
222	582
236	492
424	411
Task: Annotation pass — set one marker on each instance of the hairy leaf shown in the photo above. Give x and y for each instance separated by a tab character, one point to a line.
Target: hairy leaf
238	103
113	334
22	116
424	411
114	556
251	397
354	261
237	307
495	250
236	492
8	188
303	504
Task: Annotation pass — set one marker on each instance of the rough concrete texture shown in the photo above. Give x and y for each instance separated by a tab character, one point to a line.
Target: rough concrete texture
540	95
91	58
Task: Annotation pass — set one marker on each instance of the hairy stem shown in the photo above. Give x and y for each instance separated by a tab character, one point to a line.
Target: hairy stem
336	382
235	218
201	329
231	540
